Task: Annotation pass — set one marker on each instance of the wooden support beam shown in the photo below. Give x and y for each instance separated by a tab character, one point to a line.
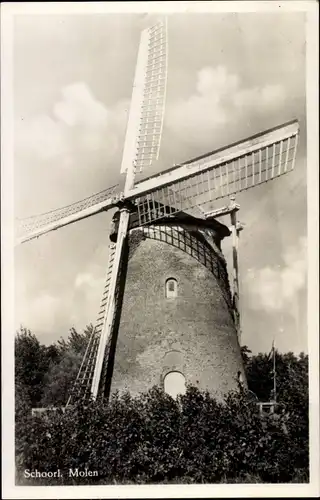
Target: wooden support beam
239	227
219	212
235	228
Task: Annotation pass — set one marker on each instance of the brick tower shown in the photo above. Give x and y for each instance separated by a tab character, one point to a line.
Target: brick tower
176	312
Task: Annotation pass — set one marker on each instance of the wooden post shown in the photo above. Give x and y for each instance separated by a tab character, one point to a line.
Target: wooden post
235	228
274	373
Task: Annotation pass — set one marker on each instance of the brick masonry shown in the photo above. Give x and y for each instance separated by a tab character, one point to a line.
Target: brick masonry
193	333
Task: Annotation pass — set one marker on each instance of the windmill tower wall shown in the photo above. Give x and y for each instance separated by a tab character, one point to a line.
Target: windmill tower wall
192	332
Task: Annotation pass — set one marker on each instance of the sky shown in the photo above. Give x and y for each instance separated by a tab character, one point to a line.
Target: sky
230	75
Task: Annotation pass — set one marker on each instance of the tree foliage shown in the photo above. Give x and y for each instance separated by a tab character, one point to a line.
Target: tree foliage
61	376
44	374
32	362
292	392
76	341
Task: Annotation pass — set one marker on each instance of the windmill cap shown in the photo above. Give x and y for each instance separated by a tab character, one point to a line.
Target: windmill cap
178	218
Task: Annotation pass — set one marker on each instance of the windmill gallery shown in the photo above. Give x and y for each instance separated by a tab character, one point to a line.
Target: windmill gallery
167	306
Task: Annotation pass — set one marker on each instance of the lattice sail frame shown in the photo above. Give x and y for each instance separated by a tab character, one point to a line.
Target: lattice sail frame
145	123
218	174
34	226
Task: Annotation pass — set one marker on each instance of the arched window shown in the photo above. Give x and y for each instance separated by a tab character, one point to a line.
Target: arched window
174	384
171	288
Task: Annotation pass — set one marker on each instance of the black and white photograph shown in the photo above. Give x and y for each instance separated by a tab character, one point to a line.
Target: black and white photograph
161	203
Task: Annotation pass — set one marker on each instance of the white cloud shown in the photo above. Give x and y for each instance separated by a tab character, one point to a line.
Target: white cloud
86	281
40	313
79	124
83	279
78	107
220	99
40	137
216	82
263	97
274	288
54	313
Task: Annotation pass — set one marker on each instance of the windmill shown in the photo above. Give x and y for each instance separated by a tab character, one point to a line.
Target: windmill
156	219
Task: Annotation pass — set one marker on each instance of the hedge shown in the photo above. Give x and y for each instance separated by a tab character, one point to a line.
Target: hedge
153	438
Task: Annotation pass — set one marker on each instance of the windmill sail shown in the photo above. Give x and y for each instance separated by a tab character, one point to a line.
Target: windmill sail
218	174
35	226
144	129
141	147
110	307
83	382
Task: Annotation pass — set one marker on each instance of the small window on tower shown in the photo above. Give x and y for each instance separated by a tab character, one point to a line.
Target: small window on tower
171	288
